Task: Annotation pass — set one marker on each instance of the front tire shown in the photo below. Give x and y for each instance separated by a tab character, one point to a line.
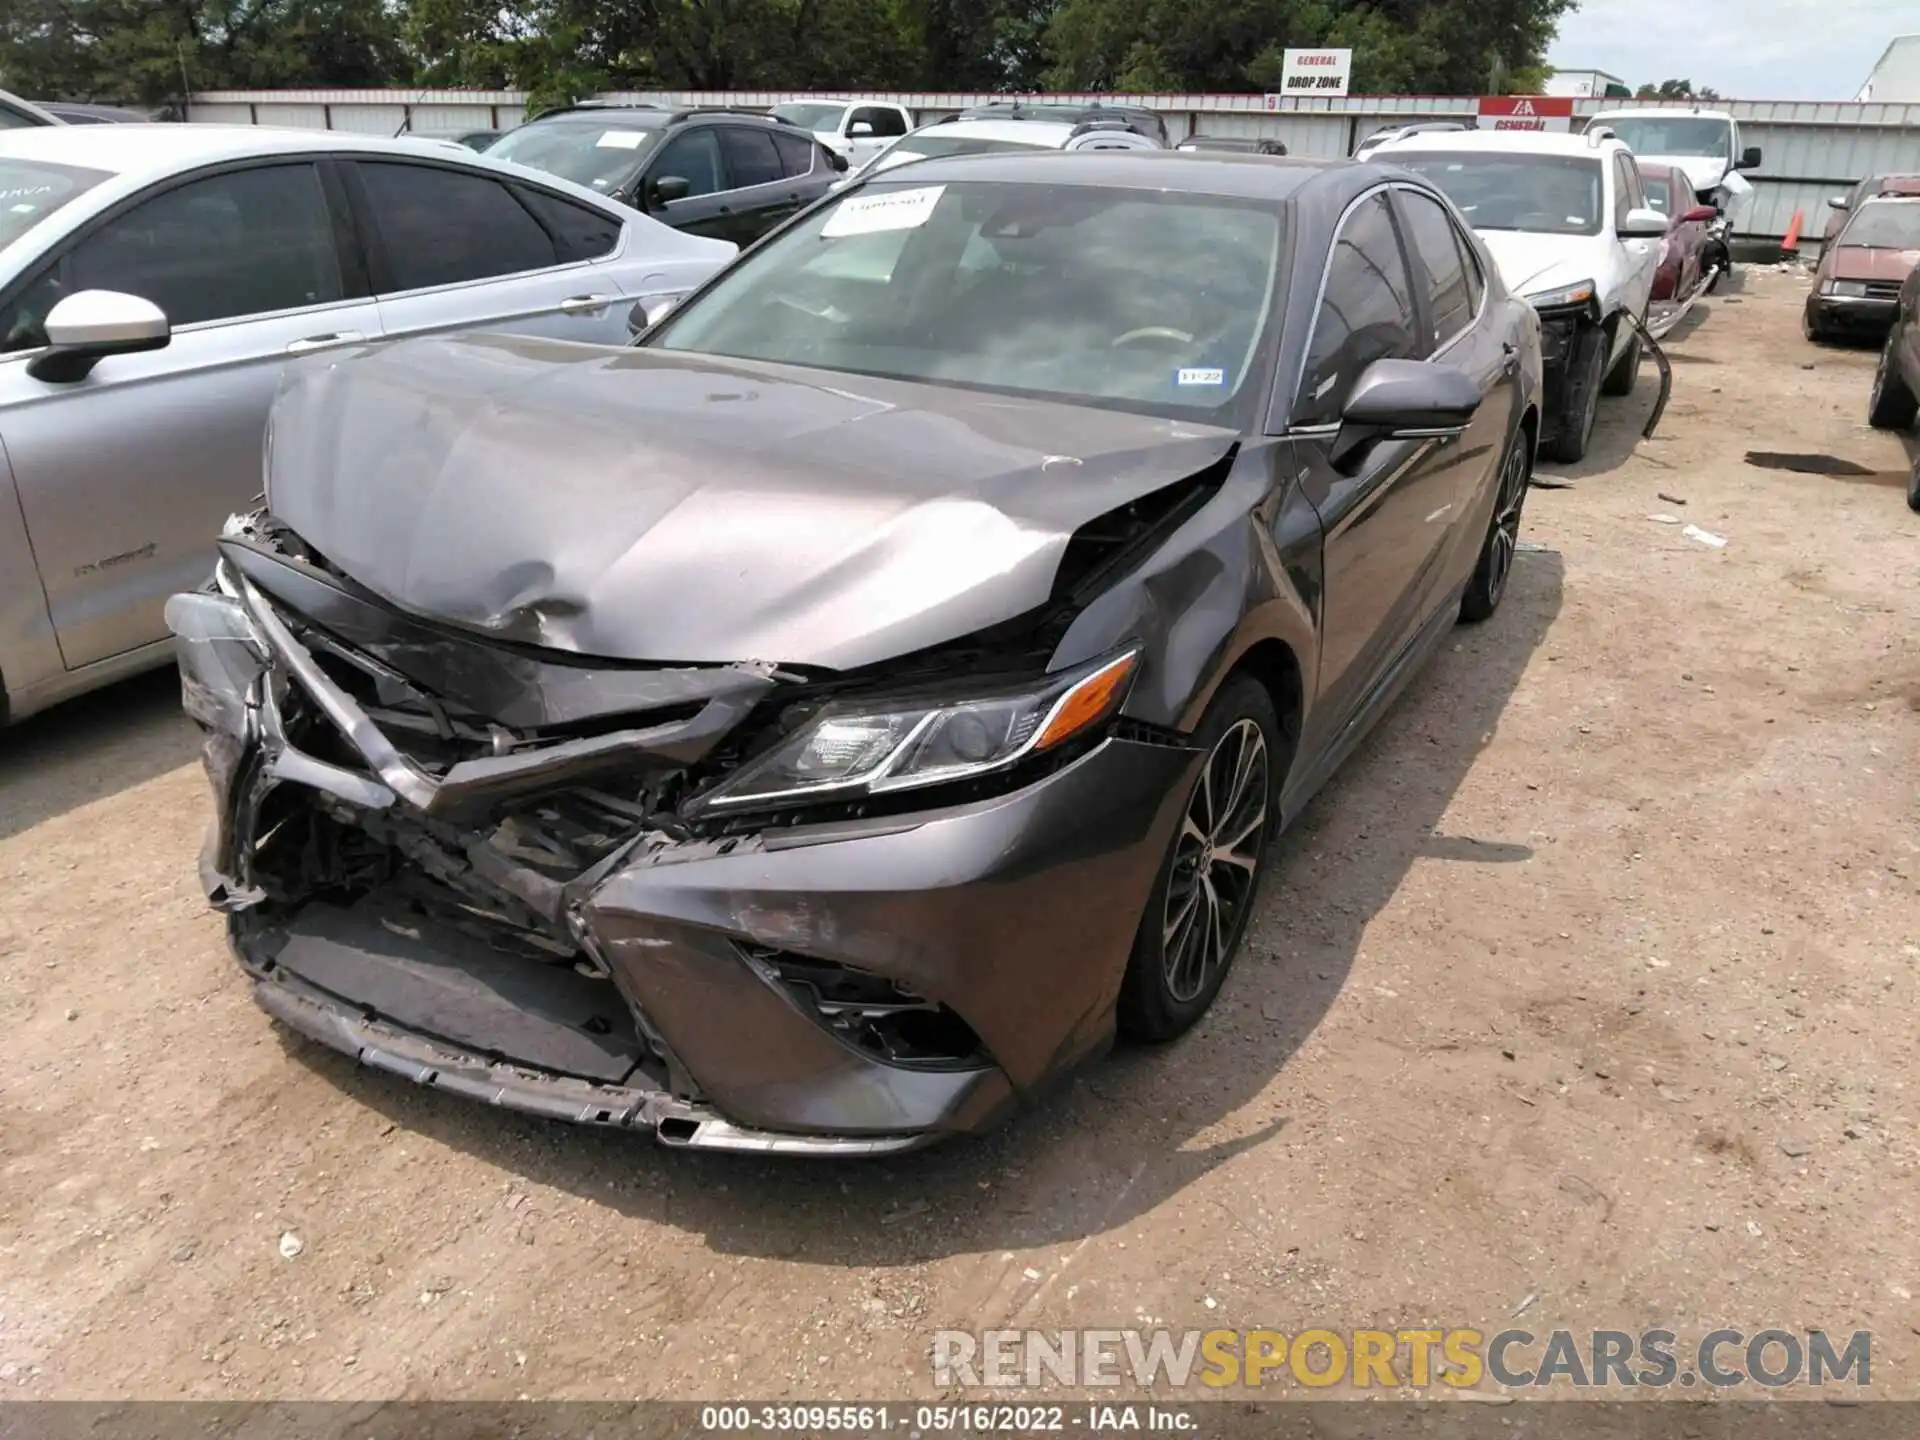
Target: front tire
1575	430
1489	582
1197	913
1892	406
1626	370
1812	328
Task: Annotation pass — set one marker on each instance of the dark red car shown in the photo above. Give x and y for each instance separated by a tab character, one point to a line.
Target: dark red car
1683	249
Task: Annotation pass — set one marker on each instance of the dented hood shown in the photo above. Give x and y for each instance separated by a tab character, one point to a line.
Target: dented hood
640	505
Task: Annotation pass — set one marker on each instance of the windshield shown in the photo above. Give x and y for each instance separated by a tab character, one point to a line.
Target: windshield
31	190
1503	190
812	114
1673	135
1885	225
586	153
1062	291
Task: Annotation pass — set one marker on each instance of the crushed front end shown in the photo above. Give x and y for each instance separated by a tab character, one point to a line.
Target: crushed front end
577	888
1569	329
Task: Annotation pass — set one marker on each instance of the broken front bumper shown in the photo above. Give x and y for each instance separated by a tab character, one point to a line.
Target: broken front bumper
748	992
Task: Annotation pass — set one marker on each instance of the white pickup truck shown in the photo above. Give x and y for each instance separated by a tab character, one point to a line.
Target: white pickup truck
857	129
1705	144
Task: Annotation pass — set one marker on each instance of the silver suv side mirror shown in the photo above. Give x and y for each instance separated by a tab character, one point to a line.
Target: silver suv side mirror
86	327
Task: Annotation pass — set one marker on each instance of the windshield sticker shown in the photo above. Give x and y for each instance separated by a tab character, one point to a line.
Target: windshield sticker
1200	375
873	214
620	139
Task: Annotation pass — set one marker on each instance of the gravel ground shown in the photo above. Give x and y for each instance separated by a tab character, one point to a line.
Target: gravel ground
1591	979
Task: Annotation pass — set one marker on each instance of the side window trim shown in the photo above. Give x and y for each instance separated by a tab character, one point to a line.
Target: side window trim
355	287
1469	264
380	265
1292	402
519	189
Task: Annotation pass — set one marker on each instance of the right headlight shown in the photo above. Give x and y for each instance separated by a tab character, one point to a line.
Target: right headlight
872	747
1846	289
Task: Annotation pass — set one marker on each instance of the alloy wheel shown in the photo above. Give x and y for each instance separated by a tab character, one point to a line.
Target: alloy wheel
1506	518
1222	839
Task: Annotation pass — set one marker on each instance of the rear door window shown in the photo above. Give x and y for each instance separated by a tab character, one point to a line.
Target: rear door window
579	232
796	154
751	158
445	227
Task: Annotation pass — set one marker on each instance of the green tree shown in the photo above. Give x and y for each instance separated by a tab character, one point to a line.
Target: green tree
1675	90
1436	46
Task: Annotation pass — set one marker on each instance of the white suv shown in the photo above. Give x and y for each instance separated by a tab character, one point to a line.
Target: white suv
857	129
1569	226
965	137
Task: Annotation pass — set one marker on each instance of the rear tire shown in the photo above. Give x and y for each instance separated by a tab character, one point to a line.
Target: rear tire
1913	487
1197	913
1575	430
1892	406
1626	370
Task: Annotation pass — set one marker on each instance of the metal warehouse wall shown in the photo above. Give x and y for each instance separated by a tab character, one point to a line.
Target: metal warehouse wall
1812	149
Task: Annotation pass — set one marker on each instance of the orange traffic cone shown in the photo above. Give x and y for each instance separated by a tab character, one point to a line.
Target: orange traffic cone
1791	245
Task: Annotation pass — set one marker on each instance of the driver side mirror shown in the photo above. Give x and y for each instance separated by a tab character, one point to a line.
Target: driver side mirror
1642	221
837	160
666	189
1700	214
1837	202
1749	158
1405	400
859	129
87	327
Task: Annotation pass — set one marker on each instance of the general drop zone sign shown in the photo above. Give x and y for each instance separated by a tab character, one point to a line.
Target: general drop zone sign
1312	72
1526	112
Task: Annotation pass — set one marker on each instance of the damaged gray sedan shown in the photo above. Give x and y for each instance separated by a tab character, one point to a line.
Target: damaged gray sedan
821	725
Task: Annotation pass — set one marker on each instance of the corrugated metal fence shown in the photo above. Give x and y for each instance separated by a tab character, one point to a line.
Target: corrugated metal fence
1811	149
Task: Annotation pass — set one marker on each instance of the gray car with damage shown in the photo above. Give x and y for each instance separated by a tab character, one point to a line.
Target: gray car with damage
821	725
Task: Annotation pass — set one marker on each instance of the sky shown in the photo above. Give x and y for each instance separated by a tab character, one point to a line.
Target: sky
1745	49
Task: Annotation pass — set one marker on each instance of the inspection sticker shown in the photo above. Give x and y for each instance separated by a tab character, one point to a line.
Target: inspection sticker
893	210
1200	375
620	139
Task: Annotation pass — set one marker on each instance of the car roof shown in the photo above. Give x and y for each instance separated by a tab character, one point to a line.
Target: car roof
1514	142
1028	131
1901	198
1895	186
1229	173
143	152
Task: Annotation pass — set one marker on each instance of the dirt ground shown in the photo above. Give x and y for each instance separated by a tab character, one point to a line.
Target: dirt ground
1592	978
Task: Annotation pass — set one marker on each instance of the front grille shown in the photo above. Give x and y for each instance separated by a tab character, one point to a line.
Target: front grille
1883	289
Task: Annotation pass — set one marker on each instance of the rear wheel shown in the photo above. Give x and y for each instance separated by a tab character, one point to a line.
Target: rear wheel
1575	430
1626	370
1197	914
1489	582
1892	406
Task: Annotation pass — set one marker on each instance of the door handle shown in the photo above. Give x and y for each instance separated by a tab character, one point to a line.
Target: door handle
585	304
324	342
